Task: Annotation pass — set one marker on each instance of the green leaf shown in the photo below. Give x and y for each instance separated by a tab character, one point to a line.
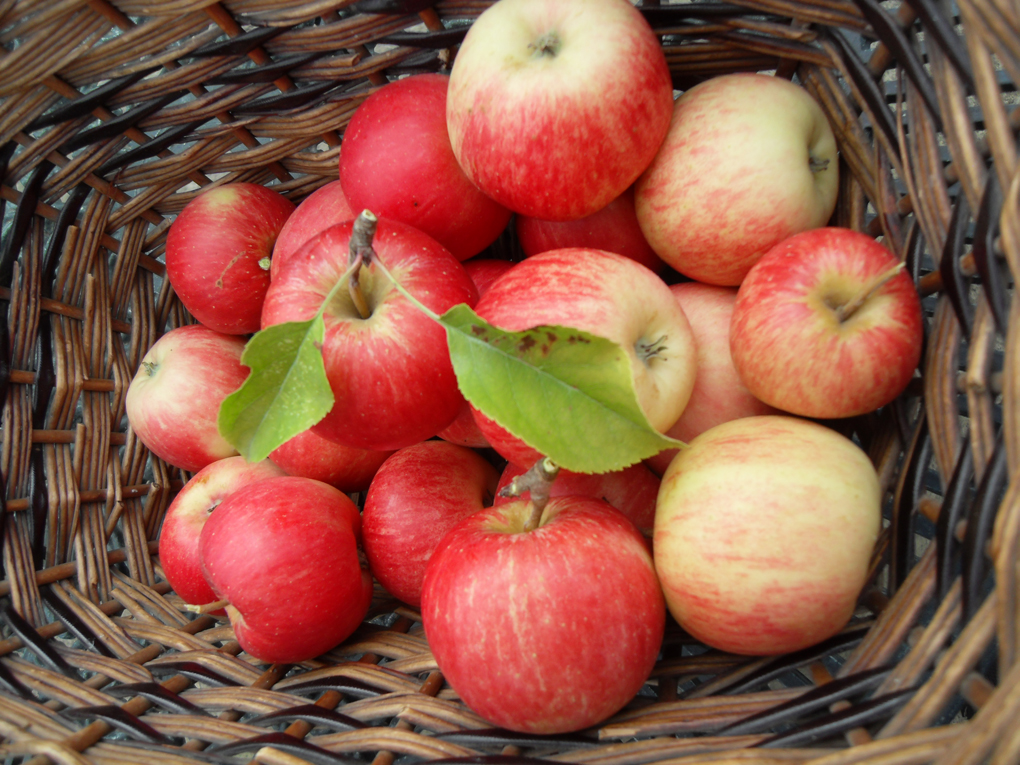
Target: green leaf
566	393
286	392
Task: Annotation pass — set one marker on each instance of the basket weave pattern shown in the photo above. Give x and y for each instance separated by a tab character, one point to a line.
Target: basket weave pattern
114	113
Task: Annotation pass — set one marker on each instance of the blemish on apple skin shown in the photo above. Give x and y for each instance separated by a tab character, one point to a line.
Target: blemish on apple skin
526	344
233	260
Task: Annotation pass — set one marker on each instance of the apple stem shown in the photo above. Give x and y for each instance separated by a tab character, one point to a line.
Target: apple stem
354	288
848	309
360	254
537	481
206	608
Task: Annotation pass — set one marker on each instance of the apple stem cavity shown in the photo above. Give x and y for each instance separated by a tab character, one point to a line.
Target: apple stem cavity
870	287
207	608
537	481
360	253
546	45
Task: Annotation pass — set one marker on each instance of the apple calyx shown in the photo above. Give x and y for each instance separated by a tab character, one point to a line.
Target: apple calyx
869	288
546	45
360	254
649	349
150	368
537	481
817	165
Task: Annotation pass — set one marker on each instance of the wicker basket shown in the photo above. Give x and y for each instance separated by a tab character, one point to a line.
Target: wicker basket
114	112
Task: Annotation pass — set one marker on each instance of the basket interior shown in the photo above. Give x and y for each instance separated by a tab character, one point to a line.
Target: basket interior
115	113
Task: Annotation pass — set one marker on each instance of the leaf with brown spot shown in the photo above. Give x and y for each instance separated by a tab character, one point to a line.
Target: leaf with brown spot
572	401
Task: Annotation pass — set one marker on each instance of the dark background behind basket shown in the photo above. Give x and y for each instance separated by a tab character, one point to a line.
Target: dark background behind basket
113	113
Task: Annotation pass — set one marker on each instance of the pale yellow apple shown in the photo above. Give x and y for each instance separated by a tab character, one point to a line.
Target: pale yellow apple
764	529
749	160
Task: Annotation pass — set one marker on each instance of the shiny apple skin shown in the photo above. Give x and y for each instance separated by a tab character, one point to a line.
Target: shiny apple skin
547	631
390	373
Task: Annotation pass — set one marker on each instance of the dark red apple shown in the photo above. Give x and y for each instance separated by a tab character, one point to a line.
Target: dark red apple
187	515
321	209
418	495
284	553
218	254
614	228
346	468
544	631
390	371
397	161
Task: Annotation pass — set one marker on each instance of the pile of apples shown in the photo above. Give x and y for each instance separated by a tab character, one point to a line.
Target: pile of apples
545	610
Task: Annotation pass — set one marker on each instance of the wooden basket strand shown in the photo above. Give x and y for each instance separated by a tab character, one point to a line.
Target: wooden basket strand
115	113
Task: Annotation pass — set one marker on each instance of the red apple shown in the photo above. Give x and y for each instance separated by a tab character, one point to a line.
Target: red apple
321	209
826	326
750	159
218	254
397	162
544	631
284	553
464	430
607	295
719	394
390	372
557	106
418	495
485	271
632	490
763	534
346	468
174	398
614	228
187	515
